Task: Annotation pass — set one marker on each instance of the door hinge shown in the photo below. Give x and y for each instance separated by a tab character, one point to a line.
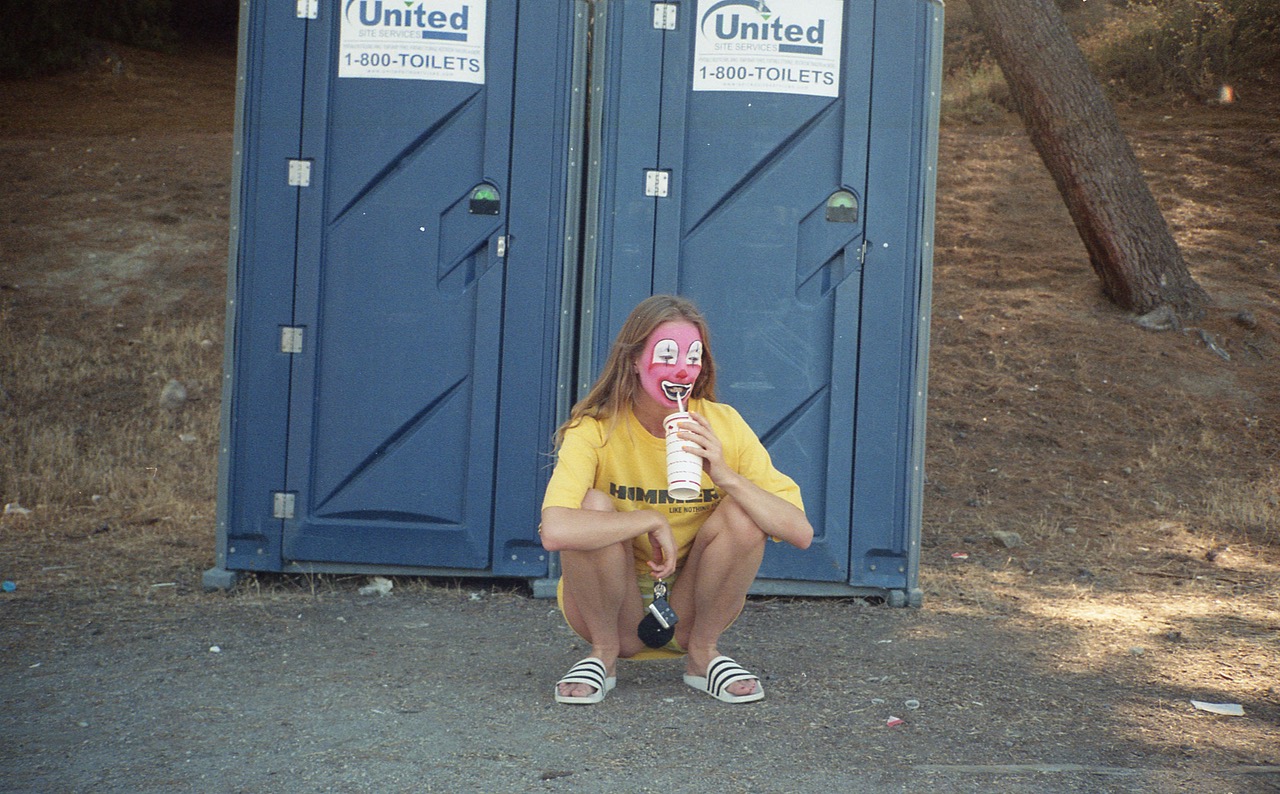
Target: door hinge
282	504
308	9
299	173
862	253
657	183
664	16
290	339
502	246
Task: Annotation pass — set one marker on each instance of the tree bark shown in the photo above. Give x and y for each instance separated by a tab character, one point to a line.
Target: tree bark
1075	129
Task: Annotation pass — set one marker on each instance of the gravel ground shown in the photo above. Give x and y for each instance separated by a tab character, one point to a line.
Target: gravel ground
445	689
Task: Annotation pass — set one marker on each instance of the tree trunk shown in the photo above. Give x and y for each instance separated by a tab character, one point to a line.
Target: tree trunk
1078	136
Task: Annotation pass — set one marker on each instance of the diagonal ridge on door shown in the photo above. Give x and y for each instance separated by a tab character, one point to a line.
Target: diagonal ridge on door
762	167
787	422
397	162
398	437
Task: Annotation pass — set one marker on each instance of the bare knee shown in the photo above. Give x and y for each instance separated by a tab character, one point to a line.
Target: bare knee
731	521
597	500
614	560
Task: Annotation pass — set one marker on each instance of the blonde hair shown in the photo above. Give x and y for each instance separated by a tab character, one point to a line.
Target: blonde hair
618	384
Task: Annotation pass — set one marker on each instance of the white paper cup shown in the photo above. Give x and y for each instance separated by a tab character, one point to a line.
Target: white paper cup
684	469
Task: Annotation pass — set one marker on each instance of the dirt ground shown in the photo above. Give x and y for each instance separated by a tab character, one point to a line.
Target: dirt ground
1139	469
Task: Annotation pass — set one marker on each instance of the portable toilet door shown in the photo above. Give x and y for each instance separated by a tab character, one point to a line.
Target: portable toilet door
395	389
745	164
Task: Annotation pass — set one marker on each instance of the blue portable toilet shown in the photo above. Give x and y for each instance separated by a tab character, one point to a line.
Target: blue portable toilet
400	260
774	161
425	273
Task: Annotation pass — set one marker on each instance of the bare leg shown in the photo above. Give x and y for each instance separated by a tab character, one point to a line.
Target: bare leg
601	600
713	585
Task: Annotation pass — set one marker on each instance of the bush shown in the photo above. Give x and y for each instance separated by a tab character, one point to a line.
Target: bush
45	36
1186	46
975	94
1140	49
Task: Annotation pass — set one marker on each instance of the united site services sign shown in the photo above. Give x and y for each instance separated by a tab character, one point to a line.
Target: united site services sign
771	46
414	40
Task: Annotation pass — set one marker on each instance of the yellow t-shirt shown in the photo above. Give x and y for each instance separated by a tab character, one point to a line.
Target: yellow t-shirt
630	465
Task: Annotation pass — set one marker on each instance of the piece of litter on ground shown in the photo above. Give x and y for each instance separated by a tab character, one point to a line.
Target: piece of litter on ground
894	722
1211	343
214	649
15	509
912	705
883	642
959	555
1225	709
379	584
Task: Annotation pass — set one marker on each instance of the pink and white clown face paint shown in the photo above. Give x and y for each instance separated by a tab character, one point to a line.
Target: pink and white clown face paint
670	362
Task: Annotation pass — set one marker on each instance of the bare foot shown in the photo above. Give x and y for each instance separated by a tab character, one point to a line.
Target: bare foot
696	666
745	687
584	689
575	690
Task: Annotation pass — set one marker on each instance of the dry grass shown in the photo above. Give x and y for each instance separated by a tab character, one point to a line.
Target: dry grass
62	455
1141	470
120	490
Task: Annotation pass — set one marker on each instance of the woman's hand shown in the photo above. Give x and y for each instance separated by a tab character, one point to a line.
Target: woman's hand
663	543
706	446
775	517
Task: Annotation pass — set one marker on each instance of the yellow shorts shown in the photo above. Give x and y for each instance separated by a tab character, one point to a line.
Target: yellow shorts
669	651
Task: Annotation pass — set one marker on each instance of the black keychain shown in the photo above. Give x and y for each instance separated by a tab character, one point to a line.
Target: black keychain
659	626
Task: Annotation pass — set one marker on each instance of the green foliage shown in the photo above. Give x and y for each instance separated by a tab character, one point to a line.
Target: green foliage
976	94
142	23
1186	46
1136	48
40	36
973	89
